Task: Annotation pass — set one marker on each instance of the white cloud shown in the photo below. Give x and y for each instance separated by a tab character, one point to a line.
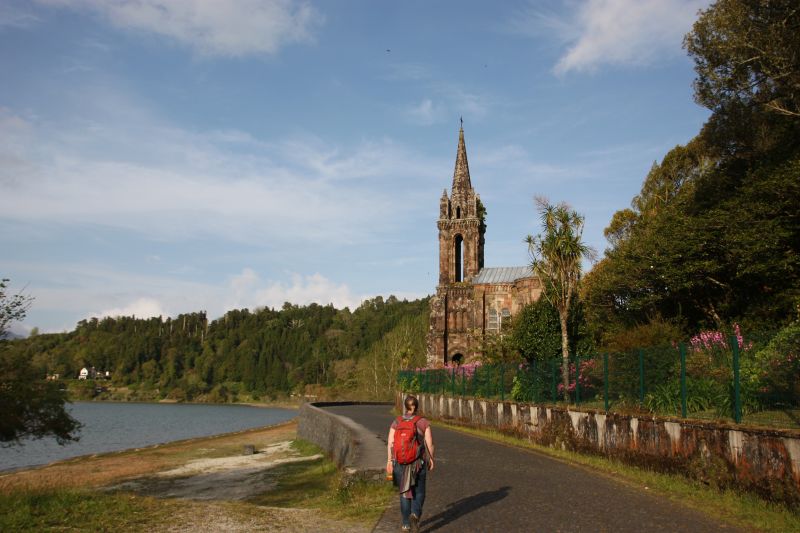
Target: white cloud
230	28
302	290
135	173
140	308
613	32
425	113
248	289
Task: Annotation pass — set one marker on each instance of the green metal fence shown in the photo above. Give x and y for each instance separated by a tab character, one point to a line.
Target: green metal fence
710	377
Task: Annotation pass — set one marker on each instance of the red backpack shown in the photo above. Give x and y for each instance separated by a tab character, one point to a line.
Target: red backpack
406	443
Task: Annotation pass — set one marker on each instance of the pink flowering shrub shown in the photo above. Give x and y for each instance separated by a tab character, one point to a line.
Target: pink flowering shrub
710	340
586	378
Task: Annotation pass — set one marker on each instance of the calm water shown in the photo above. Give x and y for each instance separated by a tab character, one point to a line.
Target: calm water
111	427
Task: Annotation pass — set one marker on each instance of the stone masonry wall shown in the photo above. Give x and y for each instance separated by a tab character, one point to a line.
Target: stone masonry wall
761	460
349	445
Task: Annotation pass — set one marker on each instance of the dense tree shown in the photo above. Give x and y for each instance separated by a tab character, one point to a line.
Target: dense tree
29	405
12	307
556	257
747	52
263	352
714	235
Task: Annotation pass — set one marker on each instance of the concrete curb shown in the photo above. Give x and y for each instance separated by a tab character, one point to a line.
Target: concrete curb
356	450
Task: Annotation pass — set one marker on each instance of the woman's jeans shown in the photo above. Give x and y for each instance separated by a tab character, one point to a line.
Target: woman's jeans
413	505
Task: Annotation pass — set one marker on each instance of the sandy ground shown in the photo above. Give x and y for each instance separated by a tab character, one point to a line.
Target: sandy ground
229	478
210	475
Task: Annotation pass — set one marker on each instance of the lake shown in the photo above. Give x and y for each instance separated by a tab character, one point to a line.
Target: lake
109	427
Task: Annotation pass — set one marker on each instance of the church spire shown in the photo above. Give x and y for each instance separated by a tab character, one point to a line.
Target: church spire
461	173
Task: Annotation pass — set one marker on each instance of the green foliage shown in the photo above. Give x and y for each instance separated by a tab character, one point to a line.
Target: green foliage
537	331
776	372
746	54
29	405
12	307
556	256
266	352
714	235
61	510
702	394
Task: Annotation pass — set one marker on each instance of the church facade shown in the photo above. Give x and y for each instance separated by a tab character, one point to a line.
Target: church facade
471	300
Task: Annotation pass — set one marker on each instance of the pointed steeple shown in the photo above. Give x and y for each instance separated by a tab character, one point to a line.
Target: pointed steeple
461	173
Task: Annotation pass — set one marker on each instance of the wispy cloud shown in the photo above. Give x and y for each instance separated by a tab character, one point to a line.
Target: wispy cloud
14	17
425	113
248	289
231	28
90	290
155	179
443	98
611	32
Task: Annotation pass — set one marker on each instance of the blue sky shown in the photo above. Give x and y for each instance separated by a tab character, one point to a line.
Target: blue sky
165	156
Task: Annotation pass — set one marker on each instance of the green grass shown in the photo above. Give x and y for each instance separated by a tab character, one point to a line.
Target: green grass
738	508
55	509
318	485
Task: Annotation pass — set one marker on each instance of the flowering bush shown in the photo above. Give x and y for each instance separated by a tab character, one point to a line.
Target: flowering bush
586	378
710	340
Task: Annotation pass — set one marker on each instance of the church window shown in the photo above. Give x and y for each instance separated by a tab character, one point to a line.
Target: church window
458	212
459	257
493	324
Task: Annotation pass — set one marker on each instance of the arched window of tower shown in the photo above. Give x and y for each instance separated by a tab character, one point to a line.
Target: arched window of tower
458	212
459	257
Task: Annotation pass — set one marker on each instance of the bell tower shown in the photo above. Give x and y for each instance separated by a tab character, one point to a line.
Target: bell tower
461	240
461	225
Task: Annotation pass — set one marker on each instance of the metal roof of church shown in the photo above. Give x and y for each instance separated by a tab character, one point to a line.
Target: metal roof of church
502	274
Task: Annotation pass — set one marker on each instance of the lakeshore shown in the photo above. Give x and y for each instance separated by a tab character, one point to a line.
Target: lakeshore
202	483
117	426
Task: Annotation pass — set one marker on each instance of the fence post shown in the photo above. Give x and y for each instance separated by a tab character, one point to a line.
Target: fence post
605	381
577	380
683	380
641	377
737	398
463	381
533	381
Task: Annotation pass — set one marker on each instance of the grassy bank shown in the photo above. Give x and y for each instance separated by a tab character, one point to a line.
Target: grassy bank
131	491
738	508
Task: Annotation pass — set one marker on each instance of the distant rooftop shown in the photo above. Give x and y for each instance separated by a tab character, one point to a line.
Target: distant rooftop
502	274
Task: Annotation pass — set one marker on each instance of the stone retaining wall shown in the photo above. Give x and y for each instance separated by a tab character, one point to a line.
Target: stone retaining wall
762	460
351	446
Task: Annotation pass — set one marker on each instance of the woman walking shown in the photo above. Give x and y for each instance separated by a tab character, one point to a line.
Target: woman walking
410	454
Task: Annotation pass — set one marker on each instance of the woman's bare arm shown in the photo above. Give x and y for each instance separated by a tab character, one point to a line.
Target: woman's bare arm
429	446
389	450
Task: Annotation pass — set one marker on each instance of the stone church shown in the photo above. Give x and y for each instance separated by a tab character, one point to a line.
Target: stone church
471	300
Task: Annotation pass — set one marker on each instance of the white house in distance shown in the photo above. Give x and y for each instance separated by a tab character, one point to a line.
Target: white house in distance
84	373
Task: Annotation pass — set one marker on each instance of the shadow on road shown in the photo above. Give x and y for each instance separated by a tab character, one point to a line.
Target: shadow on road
463	507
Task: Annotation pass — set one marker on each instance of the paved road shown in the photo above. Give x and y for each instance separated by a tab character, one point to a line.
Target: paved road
479	485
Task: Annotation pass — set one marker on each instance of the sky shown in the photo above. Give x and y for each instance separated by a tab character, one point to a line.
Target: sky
168	156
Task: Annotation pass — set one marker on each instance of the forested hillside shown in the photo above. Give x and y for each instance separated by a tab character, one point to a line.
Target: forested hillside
244	354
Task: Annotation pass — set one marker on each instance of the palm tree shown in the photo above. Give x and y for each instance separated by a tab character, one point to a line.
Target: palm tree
556	256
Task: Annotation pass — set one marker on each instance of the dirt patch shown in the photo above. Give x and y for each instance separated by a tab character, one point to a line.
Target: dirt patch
230	518
229	478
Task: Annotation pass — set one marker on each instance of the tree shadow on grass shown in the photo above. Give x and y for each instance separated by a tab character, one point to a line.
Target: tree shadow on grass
464	506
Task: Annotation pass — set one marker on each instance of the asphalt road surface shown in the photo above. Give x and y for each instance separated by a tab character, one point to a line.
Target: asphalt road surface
480	485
